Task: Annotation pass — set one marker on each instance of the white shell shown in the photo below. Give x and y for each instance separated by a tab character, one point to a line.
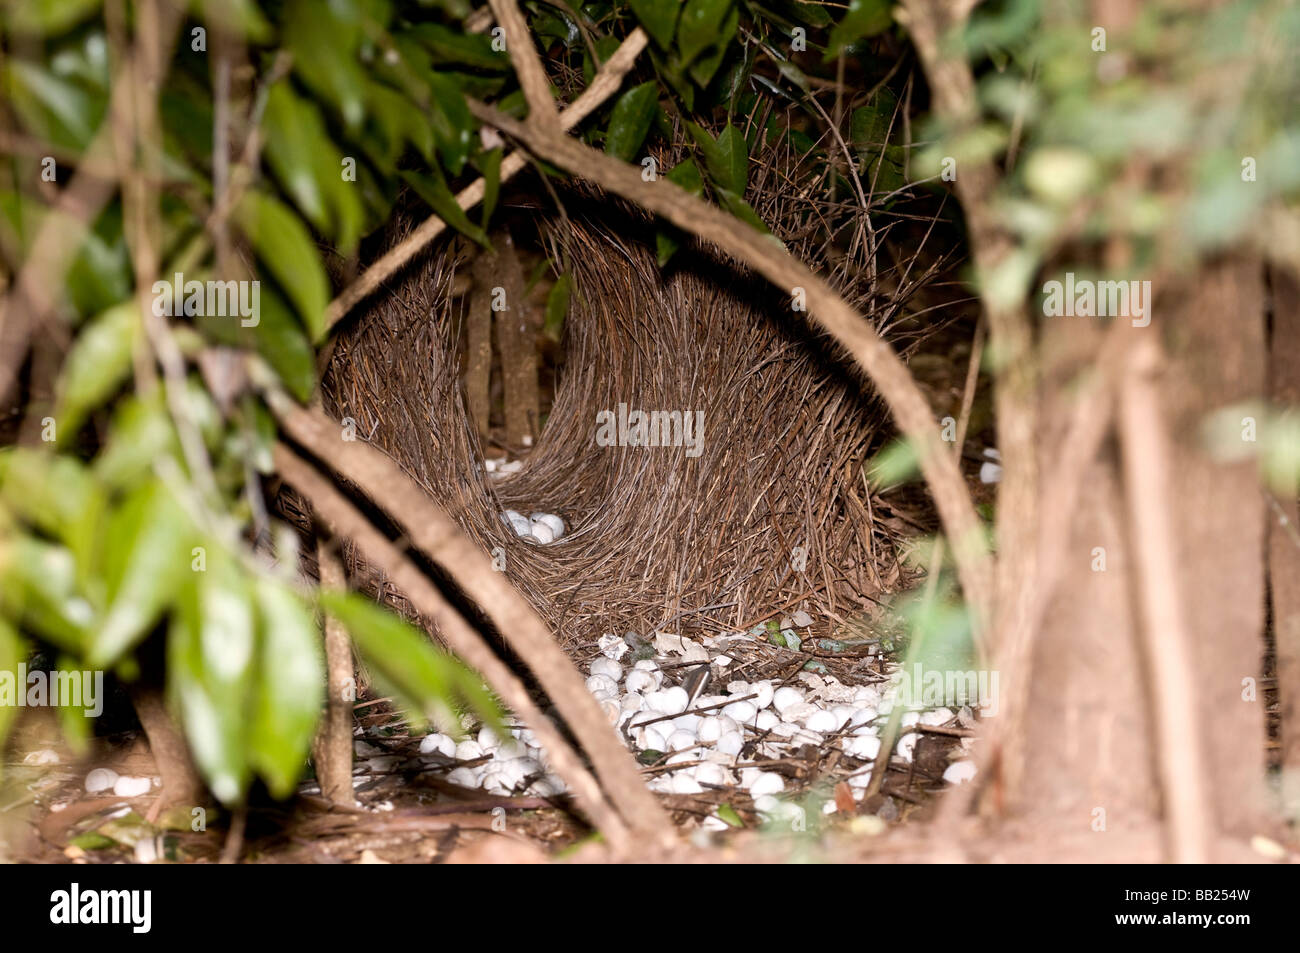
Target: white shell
132	787
101	779
555	524
541	532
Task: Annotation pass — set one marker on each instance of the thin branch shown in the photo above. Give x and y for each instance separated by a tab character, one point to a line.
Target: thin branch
1166	641
433	532
344	519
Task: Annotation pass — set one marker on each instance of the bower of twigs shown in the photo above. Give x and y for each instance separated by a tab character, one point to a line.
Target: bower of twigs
657	539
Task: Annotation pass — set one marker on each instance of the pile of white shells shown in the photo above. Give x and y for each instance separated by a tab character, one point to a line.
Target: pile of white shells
538	528
510	766
500	467
701	740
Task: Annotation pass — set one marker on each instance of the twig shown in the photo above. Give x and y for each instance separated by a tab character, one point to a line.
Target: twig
345	520
434	533
1169	667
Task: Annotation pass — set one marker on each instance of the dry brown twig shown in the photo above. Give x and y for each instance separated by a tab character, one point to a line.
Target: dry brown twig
1165	636
334	509
429	529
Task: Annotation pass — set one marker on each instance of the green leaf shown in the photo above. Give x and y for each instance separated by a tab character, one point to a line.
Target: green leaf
453	125
433	189
896	463
40	590
427	679
557	307
54	493
324	46
210	650
243	15
98	364
449	46
742	210
12	653
146	557
489	165
309	166
864	18
53	107
728	814
659	17
668	238
141	433
726	158
45	17
289	687
285	245
701	27
707	63
76	718
630	120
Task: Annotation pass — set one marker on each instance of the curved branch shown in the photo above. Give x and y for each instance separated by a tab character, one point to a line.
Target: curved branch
851	330
434	533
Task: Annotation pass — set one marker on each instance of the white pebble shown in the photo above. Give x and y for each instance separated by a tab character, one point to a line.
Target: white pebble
712	774
642	682
607	667
469	750
632	701
763	692
786	697
731	743
131	787
683	783
670	701
709	729
602	684
766	782
940	716
865	747
743	712
959	772
823	721
681	740
907	746
766	720
438	743
465	777
862	716
612	646
551	522
100	779
689	722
